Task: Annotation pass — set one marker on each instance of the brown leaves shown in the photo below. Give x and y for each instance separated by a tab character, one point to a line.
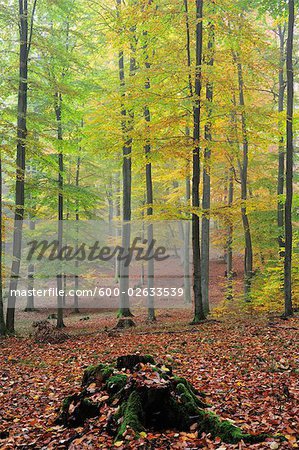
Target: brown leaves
242	365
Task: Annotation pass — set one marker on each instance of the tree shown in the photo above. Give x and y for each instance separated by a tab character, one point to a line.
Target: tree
281	149
206	195
289	166
76	298
58	114
25	39
243	167
187	284
2	320
229	242
197	286
149	193
124	310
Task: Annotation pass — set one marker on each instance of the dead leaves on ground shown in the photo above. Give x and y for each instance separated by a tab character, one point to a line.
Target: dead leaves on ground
249	371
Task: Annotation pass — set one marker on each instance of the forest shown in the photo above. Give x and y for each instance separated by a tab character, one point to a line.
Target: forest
149	247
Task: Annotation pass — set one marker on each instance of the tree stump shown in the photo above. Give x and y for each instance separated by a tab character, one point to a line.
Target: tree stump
124	322
142	395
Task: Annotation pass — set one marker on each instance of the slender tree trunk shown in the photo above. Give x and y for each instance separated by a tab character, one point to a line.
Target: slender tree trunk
187	284
248	260
188	48
124	310
110	203
30	274
197	289
281	149
117	230
149	197
206	196
20	162
187	281
229	263
30	296
60	296
76	298
142	271
289	167
2	320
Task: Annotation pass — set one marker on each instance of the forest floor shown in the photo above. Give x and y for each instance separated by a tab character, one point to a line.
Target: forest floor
247	364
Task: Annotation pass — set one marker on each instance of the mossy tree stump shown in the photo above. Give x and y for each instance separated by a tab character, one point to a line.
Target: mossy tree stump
142	395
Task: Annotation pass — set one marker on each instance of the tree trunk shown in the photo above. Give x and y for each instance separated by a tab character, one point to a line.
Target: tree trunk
30	274
124	310
2	320
76	298
30	296
20	162
281	149
149	197
186	230
229	266
187	283
60	296
117	230
198	304
289	167
206	196
188	48
248	260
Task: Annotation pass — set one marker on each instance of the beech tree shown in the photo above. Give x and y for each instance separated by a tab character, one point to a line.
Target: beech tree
26	22
197	283
289	165
206	195
2	319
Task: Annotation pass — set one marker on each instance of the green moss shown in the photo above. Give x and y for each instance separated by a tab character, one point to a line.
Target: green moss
100	372
255	438
116	383
190	400
209	422
132	415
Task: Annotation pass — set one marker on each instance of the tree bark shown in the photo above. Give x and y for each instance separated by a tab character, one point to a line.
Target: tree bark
187	283
2	320
206	196
188	48
117	228
197	289
281	149
60	297
30	296
149	193
229	266
248	260
124	310
77	217
25	43
289	166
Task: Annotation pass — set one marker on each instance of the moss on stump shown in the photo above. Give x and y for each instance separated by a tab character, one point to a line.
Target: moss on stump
142	395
